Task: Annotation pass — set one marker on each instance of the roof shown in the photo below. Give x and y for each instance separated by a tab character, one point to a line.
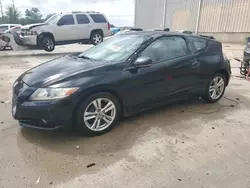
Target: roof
156	34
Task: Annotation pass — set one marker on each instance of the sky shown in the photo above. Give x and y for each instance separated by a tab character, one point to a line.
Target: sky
119	12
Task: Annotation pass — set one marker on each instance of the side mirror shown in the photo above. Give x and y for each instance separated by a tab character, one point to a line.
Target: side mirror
143	62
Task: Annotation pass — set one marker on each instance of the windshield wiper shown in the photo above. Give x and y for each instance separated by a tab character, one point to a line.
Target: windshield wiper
84	57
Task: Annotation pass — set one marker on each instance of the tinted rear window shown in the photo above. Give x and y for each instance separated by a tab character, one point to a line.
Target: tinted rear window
98	18
82	19
199	44
214	47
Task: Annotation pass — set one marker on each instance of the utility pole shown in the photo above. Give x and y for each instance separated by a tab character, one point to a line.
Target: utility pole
1	6
164	13
198	17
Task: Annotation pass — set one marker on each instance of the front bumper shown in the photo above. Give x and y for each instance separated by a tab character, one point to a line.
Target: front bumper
29	40
45	115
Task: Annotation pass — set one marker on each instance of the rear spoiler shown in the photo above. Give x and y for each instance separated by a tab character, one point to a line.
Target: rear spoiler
209	37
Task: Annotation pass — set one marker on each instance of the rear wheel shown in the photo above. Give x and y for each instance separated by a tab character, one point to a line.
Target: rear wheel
96	38
48	43
97	114
215	88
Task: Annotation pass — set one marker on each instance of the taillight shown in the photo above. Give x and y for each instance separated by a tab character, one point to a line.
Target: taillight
108	26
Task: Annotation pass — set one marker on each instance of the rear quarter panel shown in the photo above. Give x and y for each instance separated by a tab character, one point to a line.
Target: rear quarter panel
212	60
102	26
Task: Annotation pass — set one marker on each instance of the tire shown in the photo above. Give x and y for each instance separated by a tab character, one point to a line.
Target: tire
91	121
214	91
96	37
48	43
2	48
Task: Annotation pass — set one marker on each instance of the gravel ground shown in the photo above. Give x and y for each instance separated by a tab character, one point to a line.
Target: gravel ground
191	144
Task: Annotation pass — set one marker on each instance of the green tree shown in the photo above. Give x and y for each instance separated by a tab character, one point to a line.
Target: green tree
48	16
12	15
3	20
32	16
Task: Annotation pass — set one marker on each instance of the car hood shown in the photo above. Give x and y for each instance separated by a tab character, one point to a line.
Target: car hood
30	26
56	70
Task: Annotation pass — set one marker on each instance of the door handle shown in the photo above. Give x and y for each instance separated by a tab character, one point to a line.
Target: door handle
195	64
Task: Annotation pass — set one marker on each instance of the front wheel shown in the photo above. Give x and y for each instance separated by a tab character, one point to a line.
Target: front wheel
215	88
2	48
97	114
48	43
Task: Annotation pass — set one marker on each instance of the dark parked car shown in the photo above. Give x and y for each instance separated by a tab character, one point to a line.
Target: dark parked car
246	55
124	75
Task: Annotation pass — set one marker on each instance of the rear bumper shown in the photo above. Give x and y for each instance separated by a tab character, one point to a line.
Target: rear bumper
107	33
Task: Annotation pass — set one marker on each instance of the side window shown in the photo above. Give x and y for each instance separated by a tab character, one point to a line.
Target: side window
198	43
66	20
98	18
166	48
82	19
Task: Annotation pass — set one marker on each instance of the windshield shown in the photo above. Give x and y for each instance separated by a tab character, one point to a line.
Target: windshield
117	48
53	19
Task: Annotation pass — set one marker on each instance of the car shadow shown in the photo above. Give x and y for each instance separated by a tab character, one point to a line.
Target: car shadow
116	145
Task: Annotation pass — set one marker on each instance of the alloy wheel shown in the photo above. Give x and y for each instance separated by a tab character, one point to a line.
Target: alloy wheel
216	88
97	38
49	43
99	114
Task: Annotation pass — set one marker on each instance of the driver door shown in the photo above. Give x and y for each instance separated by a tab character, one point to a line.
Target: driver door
66	29
170	76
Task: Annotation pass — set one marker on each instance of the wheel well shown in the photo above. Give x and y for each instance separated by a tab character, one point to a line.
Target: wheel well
40	37
225	73
91	92
97	31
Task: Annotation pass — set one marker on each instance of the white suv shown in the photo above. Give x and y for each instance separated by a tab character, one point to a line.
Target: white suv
65	29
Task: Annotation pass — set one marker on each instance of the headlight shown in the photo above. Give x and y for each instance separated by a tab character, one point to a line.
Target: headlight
52	93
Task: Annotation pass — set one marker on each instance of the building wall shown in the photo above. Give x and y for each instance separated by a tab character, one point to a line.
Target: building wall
225	16
181	14
220	18
149	13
